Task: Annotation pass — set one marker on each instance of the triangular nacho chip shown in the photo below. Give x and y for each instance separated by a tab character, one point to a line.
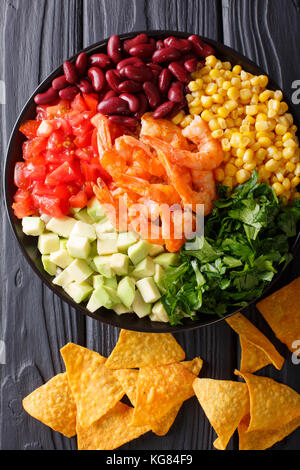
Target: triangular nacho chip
128	380
261	440
159	389
272	404
135	349
53	405
225	403
111	431
94	387
281	311
265	353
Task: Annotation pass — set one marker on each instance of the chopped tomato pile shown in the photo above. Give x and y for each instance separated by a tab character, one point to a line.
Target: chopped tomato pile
60	158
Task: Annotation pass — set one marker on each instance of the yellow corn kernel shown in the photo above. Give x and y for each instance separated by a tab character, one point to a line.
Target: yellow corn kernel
213	124
206	101
287	136
228	181
195	110
271	165
186	121
231	105
179	117
193	86
245	95
214	108
230	124
251	110
207	115
223	112
195	102
297	168
249	166
217	98
214	73
280	177
235	116
230	170
260	154
250	119
290	143
233	93
189	97
263	80
204	70
261	126
278	95
219	174
293	129
237	69
246	84
288	152
242	175
225	145
244	75
222	122
265	95
211	60
290	166
248	156
286	184
226	157
264	142
278	188
226	85
283	107
199	82
240	152
236	82
217	134
295	181
218	66
289	118
226	65
239	140
211	89
238	162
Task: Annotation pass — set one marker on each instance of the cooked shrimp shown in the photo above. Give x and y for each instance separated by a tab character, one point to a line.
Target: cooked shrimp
204	180
103	137
165	130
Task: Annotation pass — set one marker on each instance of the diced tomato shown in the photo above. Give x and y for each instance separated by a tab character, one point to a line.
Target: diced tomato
23	204
29	129
58	110
86	153
92	171
83	140
34	147
79	104
91	100
34	172
88	190
79	200
56	141
95	140
65	173
49	205
19	178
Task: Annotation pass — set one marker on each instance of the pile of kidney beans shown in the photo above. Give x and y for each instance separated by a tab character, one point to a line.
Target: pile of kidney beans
134	76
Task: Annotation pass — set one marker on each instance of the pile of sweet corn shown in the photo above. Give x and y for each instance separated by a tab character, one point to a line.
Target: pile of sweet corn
251	122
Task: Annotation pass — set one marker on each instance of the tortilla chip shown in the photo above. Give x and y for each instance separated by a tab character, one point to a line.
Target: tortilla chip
94	387
194	366
225	403
53	405
128	380
261	440
159	389
257	350
272	404
134	350
281	311
111	431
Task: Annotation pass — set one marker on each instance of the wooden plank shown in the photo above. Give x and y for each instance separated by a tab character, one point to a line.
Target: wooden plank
101	19
269	35
37	36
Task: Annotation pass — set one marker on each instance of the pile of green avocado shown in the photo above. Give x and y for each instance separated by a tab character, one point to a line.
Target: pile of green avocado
92	262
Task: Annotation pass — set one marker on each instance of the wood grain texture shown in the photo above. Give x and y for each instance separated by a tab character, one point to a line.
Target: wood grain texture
37	35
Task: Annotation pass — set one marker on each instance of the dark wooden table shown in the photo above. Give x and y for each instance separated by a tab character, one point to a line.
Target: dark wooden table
36	36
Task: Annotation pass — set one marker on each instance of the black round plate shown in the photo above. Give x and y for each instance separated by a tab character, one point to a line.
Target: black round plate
28	245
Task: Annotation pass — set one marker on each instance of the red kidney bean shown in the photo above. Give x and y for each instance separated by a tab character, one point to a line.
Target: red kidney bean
109	94
81	64
164	81
163	110
45	98
68	93
179	72
200	47
160	44
165	55
129	61
182	45
85	86
143	51
156	69
191	65
143	105
138	73
113	105
129	86
188	56
175	93
139	39
59	83
70	72
100	60
152	94
114	48
123	120
132	100
97	77
113	79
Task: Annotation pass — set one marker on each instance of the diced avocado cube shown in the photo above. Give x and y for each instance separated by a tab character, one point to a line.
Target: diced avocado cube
120	309
79	291
83	216
81	229
74	210
49	267
119	264
167	259
62	226
102	264
148	289
61	258
145	268
159	276
159	311
102	297
139	306
33	226
155	250
94	210
78	247
93	250
78	271
98	281
48	242
104	226
125	240
126	291
111	282
107	243
138	251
